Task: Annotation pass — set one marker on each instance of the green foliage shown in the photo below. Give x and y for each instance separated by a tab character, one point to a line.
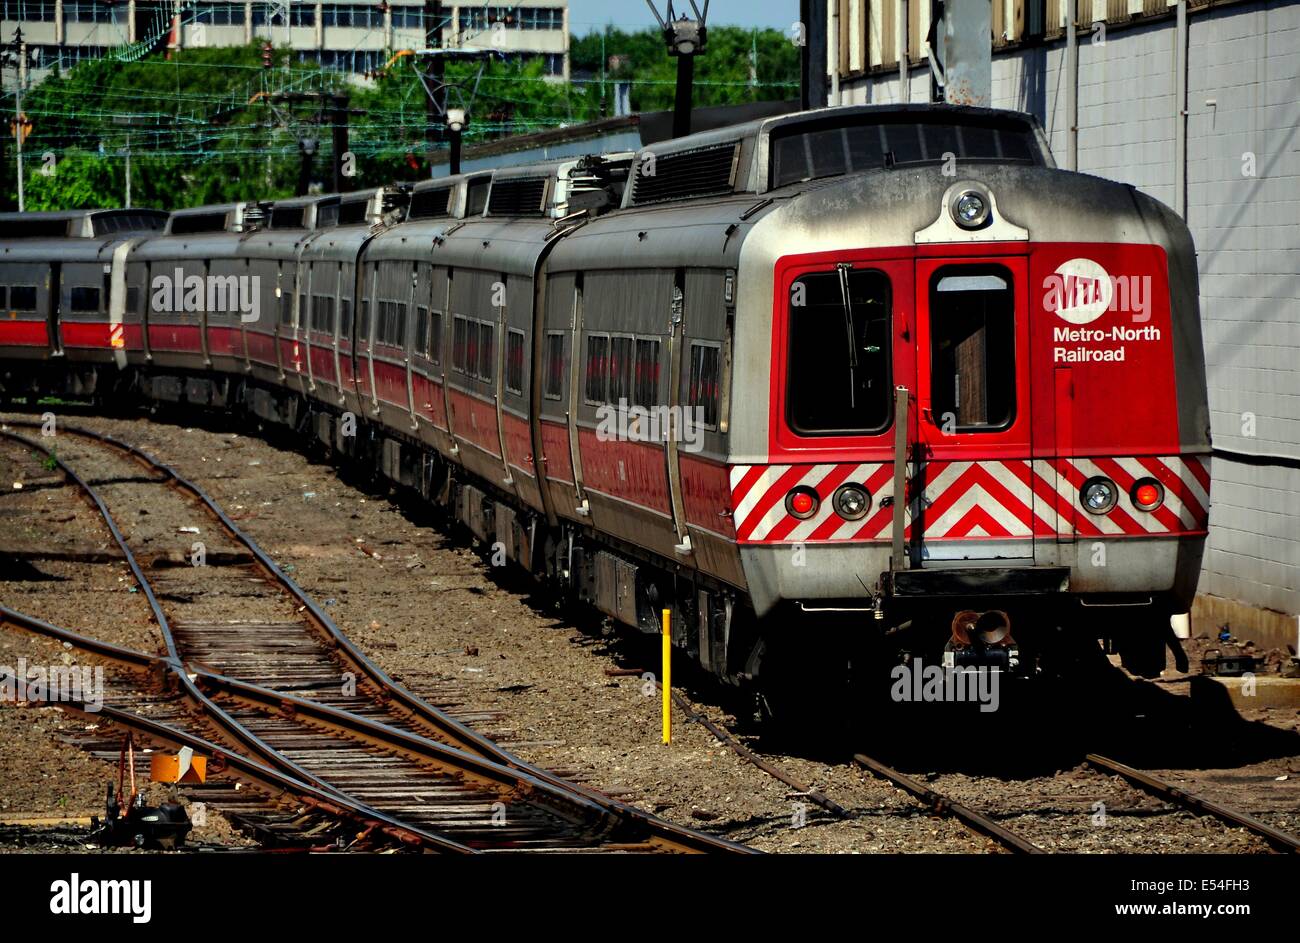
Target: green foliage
200	128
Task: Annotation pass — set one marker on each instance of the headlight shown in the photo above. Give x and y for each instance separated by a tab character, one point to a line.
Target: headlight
1098	495
970	209
1147	494
851	502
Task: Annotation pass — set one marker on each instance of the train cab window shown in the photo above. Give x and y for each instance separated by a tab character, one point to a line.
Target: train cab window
132	298
515	362
597	368
646	379
22	298
554	387
972	348
839	354
84	299
706	375
286	308
435	337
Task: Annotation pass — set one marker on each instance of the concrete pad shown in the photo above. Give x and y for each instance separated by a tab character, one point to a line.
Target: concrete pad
1269	691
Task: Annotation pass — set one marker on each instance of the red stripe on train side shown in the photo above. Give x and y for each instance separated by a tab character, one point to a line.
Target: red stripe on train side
475	420
179	337
632	471
555	446
706	499
24	334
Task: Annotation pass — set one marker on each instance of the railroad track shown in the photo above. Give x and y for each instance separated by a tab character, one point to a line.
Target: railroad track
361	746
1280	840
947	806
1178	801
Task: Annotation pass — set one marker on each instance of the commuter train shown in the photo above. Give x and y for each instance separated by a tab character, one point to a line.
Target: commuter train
868	380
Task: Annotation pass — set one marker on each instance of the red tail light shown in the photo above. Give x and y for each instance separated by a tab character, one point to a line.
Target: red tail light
802	503
1147	494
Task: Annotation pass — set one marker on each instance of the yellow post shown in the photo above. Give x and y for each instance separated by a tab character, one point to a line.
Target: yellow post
668	677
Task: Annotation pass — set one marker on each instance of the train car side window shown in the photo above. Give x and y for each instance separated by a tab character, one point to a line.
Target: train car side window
84	299
459	345
515	362
706	374
486	351
435	337
839	364
597	369
421	344
22	297
620	370
647	373
4	293
554	388
973	348
345	317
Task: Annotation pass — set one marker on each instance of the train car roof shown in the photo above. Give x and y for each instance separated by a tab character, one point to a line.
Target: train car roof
736	159
80	224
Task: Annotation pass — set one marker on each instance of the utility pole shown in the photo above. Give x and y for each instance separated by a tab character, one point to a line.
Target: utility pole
18	111
685	38
435	99
127	201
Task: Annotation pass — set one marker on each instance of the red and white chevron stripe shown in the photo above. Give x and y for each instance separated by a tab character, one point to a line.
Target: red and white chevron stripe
1003	500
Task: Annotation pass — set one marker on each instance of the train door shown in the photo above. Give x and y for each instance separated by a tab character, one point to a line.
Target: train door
583	506
676	343
419	341
54	293
971	494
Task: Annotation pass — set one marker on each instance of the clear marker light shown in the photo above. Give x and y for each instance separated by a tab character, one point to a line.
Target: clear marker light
970	207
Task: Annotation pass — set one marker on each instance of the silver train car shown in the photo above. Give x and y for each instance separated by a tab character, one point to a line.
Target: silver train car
833	387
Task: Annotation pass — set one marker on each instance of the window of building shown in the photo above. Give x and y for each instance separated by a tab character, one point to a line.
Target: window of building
219	14
90	11
408	18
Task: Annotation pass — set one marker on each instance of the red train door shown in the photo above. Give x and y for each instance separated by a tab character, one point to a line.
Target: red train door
972	495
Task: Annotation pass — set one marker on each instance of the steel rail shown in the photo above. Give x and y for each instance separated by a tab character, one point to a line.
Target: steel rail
468	740
1158	787
945	806
270	780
